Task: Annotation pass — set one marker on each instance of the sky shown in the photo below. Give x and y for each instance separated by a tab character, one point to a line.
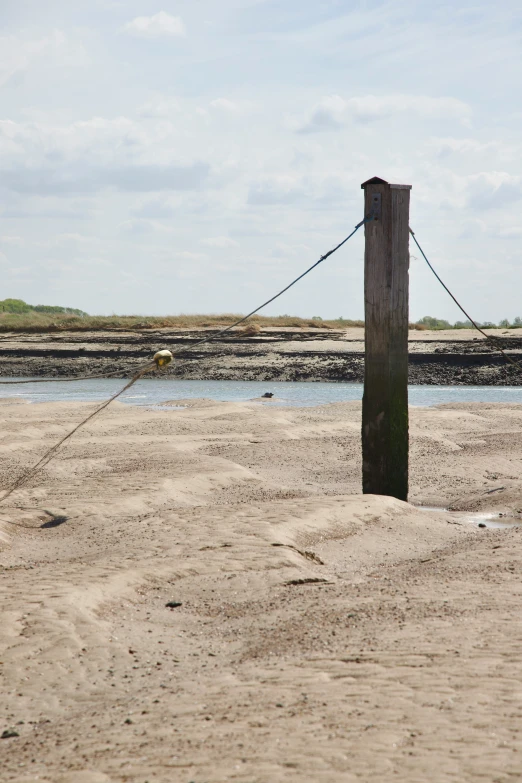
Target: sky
195	156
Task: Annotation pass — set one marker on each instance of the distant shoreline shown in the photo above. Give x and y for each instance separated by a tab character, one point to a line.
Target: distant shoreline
274	353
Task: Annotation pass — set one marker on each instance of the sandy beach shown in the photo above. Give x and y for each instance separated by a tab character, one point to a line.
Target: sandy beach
203	595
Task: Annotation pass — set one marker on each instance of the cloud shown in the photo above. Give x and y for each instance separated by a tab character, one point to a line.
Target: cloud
18	54
93	155
88	266
66	238
154	208
156	177
64	180
224	104
159	107
370	107
187	255
100	139
220	242
142	226
160	25
333	112
449	146
284	250
275	190
511	232
319	191
493	190
191	265
228	106
11	240
326	115
179	153
46	207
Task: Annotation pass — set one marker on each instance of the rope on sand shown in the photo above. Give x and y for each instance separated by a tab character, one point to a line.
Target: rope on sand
161	359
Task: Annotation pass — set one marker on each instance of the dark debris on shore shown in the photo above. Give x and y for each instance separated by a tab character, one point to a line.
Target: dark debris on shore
284	355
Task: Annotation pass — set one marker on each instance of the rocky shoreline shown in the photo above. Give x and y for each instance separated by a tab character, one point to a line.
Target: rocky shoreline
452	357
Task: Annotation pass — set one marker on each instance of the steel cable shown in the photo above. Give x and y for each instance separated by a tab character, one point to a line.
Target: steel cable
488	337
213	336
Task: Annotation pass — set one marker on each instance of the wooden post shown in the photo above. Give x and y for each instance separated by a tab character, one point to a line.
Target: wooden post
385	399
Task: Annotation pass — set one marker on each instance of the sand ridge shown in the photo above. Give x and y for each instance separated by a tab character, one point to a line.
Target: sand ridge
320	635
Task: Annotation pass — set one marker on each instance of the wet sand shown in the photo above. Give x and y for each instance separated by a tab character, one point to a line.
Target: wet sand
314	634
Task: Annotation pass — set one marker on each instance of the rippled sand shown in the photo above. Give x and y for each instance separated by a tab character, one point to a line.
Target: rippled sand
321	635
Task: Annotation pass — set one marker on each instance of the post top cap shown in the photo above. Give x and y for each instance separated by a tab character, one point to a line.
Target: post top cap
379	181
374	181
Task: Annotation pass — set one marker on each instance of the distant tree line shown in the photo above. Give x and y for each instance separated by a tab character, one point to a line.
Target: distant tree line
18	306
428	322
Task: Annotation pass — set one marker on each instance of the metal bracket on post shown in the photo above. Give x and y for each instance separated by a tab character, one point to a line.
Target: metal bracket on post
375	212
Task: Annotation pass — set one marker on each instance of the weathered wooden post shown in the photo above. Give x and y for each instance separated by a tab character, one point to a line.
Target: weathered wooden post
385	399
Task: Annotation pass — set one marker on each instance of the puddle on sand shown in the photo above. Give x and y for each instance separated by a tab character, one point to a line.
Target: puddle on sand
478	518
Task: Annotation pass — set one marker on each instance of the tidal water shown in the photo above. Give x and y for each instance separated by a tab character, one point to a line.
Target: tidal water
156	391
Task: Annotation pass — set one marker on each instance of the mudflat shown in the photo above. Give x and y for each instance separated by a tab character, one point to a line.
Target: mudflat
458	356
203	595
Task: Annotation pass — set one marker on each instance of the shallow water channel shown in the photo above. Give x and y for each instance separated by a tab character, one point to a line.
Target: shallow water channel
154	391
482	519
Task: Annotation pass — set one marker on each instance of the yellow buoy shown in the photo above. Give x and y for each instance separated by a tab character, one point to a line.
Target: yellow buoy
162	358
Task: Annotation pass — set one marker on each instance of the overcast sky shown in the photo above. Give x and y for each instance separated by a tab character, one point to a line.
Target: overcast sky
195	156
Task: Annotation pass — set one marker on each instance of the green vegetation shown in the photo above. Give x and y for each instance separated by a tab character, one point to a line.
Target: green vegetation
18	316
34	320
18	306
428	322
